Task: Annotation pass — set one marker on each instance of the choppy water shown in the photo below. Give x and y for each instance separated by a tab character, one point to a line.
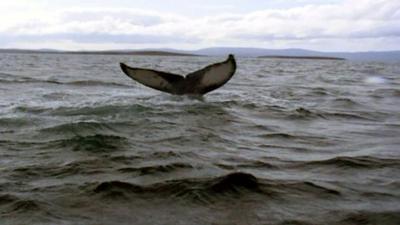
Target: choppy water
284	142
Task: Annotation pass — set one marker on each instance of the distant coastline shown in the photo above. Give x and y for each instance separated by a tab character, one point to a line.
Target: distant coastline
291	53
161	53
301	57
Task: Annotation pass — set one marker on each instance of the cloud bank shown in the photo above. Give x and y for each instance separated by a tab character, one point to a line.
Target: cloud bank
349	25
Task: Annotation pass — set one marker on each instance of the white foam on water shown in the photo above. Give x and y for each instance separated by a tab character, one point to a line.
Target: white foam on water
375	80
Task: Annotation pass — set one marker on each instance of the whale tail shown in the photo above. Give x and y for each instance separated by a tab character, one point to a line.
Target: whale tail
199	82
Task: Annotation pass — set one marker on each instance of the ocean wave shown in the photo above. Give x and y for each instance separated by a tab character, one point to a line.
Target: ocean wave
59	170
11	205
150	155
295	222
300	139
14	78
125	159
22	79
96	143
168	154
366	162
93	83
353	116
311	187
285	146
154	169
7	199
80	167
58	96
287	136
319	91
369	217
279	149
384	92
302	113
201	190
279	135
77	128
72	140
345	102
23	210
17	122
247	165
2	74
306	114
105	109
208	190
23	206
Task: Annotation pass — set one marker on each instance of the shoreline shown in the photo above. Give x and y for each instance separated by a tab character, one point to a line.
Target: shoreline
301	57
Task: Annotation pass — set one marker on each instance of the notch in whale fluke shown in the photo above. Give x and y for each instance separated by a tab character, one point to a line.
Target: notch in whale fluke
198	82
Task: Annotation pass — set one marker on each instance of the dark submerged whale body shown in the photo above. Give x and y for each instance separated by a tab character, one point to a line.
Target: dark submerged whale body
199	82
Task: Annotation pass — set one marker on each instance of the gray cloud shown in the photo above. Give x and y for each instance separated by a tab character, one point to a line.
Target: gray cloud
97	38
349	20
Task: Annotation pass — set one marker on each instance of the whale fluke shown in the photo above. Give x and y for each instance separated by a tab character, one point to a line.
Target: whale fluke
199	82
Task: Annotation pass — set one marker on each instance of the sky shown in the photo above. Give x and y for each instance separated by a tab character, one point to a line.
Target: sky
323	25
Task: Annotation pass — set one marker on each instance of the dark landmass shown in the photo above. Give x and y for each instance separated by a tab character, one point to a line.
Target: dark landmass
386	56
293	53
301	57
147	53
161	53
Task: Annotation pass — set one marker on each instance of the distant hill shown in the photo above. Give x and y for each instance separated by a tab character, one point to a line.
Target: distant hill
303	57
130	52
161	53
257	52
393	56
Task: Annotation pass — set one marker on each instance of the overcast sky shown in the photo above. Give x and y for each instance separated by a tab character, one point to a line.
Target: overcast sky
325	25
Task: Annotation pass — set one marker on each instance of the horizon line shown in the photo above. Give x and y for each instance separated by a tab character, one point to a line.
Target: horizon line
166	49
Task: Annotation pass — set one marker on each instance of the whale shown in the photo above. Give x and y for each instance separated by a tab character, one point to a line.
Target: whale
198	82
